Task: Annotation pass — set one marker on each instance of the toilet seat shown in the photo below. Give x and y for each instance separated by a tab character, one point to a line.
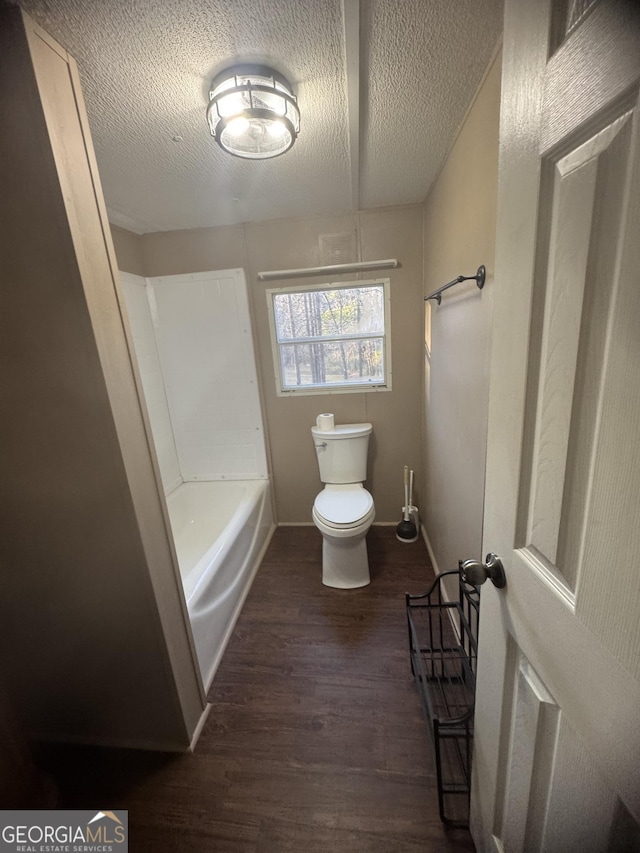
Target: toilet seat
343	506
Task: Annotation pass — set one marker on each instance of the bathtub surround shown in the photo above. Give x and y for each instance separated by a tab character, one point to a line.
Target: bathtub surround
290	244
205	343
146	350
193	346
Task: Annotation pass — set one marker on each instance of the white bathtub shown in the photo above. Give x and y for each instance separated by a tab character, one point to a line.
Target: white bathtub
221	530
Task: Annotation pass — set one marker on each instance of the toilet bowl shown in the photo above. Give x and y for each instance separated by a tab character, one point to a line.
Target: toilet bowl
343	511
338	515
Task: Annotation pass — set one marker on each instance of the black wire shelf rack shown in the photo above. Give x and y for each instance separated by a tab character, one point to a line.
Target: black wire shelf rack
443	648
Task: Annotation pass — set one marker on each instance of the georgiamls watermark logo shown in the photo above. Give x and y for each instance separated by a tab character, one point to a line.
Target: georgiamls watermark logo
64	831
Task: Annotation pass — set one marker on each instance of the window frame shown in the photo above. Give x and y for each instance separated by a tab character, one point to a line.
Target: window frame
350	388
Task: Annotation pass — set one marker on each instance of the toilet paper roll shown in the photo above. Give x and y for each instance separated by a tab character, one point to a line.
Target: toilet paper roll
325	422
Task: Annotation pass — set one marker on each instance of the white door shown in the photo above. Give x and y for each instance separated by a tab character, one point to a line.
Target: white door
557	743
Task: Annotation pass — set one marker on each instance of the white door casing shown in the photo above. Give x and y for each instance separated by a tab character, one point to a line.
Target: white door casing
557	723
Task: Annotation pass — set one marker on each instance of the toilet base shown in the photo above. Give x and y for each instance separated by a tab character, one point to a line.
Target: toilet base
345	564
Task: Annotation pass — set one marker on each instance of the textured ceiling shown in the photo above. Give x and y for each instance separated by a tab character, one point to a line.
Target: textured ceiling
146	66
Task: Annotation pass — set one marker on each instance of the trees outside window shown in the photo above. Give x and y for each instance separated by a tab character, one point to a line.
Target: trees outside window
331	336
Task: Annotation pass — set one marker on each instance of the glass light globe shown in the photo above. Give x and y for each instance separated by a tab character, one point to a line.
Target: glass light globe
253	113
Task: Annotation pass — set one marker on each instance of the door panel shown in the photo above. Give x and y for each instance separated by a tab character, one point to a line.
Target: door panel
584	193
557	755
577	789
533	732
596	317
572	208
555	795
577	9
595	66
610	591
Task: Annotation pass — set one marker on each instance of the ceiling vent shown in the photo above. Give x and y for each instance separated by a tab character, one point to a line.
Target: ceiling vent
338	248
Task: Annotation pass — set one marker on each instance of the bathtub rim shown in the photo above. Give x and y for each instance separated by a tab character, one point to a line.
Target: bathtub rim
223	543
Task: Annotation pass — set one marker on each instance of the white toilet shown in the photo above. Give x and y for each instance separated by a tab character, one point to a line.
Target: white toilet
343	511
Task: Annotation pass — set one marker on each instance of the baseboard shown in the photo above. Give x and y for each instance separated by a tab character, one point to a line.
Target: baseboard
432	556
436	570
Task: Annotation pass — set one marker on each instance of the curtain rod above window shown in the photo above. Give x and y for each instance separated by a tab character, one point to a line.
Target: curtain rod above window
361	266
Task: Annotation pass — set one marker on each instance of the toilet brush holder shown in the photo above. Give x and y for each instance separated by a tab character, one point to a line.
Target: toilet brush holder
407	531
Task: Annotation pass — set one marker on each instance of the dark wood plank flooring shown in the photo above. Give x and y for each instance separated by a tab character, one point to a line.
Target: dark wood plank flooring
315	742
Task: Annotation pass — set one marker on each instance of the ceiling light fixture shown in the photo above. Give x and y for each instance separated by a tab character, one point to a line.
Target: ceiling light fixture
253	112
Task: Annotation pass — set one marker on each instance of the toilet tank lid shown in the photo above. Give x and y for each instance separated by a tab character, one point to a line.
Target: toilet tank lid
342	431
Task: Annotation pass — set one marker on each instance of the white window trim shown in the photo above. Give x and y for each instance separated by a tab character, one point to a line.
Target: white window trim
354	388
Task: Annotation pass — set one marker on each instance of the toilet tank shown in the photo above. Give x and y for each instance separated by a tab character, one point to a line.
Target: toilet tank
342	452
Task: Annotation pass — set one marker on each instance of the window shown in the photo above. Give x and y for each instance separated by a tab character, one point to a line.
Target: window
331	337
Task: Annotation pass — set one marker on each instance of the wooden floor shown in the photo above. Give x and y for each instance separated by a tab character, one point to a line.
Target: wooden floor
315	741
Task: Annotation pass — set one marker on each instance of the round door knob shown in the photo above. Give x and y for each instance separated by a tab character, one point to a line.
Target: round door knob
476	573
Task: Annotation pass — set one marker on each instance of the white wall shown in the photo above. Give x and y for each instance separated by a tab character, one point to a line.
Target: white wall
134	289
203	332
194	346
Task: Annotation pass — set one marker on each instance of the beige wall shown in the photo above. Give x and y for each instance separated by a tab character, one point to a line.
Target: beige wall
95	645
459	235
395	415
128	250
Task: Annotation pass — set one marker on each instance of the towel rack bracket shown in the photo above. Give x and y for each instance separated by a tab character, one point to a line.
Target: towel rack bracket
479	278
